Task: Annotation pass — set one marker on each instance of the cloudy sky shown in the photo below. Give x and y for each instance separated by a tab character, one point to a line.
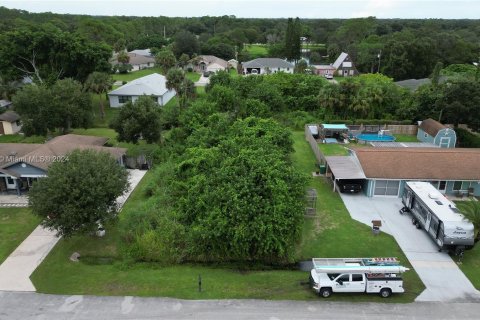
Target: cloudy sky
447	9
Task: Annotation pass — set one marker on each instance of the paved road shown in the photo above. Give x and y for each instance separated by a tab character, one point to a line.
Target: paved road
443	279
26	306
15	271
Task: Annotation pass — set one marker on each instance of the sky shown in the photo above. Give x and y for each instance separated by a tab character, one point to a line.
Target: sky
446	9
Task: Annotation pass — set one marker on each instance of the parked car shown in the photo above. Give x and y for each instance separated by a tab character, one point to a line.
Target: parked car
206	74
328	76
349	186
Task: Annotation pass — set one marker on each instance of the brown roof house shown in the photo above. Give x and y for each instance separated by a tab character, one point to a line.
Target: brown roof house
23	163
139	59
434	132
210	63
451	171
9	123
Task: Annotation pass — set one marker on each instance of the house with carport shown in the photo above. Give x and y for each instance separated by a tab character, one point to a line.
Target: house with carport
454	172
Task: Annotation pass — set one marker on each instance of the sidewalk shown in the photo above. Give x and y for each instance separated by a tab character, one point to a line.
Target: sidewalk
15	271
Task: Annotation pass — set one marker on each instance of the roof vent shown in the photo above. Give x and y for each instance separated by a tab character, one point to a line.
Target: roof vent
433	195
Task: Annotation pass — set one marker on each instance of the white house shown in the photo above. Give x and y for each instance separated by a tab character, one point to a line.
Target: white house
267	66
154	85
137	59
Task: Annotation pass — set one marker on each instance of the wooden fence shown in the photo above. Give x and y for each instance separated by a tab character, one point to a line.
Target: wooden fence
314	145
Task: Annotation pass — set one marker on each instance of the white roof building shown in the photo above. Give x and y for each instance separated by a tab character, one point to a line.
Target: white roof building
154	85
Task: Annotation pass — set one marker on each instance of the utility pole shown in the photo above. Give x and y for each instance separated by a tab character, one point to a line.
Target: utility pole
379	60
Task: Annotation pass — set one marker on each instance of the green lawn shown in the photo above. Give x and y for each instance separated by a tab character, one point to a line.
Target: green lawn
333	149
20	138
332	233
405	138
145	72
15	225
136	74
471	265
257	50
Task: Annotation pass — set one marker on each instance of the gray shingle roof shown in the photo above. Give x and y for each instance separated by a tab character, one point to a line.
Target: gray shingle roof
9	116
267	63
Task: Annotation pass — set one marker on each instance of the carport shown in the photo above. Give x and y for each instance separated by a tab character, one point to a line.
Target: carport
344	168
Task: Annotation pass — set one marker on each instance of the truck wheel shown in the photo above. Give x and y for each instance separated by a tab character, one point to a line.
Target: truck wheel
385	293
325	292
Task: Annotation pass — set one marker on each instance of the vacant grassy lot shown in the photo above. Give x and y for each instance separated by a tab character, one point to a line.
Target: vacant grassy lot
330	234
15	225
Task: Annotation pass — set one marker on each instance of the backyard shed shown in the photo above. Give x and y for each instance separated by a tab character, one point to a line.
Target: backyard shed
434	132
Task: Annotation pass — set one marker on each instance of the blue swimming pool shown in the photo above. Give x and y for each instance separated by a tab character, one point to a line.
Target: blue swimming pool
374	137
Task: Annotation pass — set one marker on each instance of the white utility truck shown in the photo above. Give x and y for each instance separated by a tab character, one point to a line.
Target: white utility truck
370	275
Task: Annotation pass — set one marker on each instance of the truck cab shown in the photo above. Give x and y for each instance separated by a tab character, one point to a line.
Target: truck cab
326	283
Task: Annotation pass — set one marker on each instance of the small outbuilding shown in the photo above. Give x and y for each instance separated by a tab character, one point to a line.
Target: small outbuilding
333	130
9	123
434	132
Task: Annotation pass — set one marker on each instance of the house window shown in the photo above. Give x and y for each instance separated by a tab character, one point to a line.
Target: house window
124	99
10	180
386	187
288	69
442	185
457	185
425	135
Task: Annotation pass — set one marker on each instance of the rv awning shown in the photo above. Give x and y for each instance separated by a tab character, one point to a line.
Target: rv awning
334	126
345	167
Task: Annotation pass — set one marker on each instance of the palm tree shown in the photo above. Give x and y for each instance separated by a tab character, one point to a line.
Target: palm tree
471	211
99	83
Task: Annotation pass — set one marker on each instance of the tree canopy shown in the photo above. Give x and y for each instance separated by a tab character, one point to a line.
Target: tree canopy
79	193
139	119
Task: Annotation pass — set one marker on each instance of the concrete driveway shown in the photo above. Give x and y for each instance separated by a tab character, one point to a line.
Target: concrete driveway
443	280
202	82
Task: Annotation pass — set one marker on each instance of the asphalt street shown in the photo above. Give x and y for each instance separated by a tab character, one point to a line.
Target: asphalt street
27	305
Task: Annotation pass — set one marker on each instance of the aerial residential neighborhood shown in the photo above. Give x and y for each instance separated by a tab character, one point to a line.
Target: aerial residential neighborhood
180	160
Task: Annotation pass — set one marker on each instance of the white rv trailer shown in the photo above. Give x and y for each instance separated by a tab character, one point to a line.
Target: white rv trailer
370	275
438	216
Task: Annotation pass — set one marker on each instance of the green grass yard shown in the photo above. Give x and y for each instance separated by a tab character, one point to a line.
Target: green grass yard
405	138
332	233
15	225
471	265
257	50
333	149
